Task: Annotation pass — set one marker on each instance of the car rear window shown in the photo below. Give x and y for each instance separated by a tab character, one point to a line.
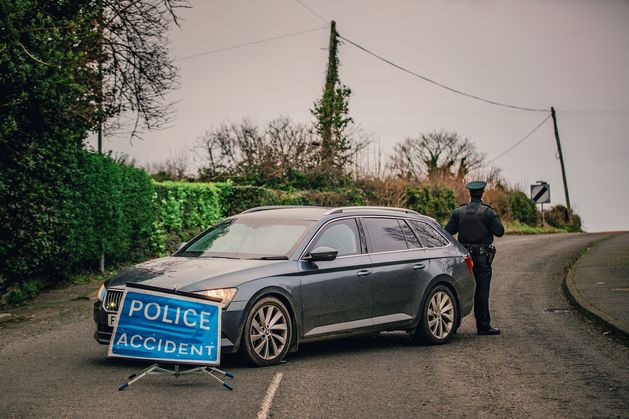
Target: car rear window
386	234
411	240
427	235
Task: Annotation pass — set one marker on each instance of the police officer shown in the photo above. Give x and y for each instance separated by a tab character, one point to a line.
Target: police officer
477	224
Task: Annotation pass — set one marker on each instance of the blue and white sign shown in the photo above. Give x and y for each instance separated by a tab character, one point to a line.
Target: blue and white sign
167	327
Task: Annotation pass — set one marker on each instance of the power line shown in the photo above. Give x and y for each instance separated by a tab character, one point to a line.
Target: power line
247	44
520	141
313	12
522	108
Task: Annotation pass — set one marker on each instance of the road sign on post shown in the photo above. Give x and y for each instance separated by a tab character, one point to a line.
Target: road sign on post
540	194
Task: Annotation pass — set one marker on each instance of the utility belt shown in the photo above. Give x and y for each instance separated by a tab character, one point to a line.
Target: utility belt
487	250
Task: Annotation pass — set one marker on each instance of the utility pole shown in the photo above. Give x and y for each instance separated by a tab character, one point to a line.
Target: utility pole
563	168
327	101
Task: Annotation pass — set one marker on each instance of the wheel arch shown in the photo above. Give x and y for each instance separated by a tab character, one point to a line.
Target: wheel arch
285	298
447	281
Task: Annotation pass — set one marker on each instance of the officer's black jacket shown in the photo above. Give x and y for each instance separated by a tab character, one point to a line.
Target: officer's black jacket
484	223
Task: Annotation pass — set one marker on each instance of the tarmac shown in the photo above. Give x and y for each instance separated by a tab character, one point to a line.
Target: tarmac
598	283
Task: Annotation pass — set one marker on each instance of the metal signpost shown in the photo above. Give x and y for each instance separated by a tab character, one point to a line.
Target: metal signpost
170	327
540	194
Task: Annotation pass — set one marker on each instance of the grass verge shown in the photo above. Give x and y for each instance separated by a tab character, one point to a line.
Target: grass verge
516	227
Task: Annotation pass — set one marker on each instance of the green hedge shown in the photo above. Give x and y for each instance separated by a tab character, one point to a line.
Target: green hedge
58	224
114	212
434	202
184	209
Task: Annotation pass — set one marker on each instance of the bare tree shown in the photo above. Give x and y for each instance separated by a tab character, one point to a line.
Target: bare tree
436	154
133	65
124	158
273	151
175	167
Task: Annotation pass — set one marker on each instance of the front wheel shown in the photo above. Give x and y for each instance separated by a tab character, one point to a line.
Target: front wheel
267	332
439	317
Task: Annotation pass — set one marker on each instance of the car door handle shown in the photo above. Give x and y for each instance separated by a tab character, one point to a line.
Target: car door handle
363	272
418	266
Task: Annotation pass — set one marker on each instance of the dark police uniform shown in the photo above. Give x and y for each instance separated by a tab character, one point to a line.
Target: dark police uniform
477	224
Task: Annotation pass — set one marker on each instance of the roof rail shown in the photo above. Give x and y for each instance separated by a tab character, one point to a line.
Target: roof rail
343	209
275	207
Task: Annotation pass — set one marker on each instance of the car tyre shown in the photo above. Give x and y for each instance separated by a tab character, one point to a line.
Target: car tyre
267	333
439	317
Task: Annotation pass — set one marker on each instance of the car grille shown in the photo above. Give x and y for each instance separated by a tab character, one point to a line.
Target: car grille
112	300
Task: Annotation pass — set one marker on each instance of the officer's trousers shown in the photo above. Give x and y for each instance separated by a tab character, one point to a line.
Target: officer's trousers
482	275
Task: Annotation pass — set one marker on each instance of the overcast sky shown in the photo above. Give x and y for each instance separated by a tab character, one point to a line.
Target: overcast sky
570	54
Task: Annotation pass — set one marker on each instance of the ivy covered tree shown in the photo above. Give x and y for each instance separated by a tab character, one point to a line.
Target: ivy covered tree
332	117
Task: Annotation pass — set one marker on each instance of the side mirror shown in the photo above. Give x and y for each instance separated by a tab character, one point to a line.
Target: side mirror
181	245
322	254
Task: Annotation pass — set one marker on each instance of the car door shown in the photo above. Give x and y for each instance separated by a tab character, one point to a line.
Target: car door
400	269
337	295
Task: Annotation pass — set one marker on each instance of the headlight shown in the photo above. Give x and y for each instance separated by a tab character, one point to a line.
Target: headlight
101	292
226	295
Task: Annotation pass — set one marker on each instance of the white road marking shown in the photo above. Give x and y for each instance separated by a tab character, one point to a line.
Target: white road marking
270	393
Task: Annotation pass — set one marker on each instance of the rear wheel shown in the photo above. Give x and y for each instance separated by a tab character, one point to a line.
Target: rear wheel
267	333
439	317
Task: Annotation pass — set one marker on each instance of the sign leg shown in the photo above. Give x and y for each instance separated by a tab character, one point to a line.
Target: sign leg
135	377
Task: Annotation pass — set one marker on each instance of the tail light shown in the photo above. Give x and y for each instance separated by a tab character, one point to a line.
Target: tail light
469	262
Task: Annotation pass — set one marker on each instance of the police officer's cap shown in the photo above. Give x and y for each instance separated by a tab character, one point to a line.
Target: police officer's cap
477	185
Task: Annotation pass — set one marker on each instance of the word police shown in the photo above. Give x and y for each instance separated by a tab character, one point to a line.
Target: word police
153	311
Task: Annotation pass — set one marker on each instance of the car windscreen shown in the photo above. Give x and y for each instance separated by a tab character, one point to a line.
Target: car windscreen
249	238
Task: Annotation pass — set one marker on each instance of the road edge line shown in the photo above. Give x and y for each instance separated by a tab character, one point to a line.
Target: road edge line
582	304
263	413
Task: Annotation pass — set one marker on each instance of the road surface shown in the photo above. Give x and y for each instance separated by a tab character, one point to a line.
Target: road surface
549	362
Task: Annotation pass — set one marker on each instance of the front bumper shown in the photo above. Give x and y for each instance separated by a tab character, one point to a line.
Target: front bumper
231	327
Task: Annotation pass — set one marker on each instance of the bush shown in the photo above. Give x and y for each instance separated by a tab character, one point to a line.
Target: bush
65	209
563	218
115	212
434	202
236	199
522	208
338	198
183	210
20	294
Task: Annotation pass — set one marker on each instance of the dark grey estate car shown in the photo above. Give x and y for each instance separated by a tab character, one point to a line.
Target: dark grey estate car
288	275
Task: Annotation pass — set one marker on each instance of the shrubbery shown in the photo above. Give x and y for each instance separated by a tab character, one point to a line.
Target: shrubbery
58	224
184	209
522	208
434	202
561	217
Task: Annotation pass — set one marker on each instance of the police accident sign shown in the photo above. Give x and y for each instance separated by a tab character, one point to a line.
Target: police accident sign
166	326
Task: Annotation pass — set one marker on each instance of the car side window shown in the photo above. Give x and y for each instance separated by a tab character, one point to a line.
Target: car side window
411	239
341	235
428	236
386	234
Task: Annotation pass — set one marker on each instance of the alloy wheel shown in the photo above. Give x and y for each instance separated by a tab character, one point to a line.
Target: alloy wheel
269	332
440	315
